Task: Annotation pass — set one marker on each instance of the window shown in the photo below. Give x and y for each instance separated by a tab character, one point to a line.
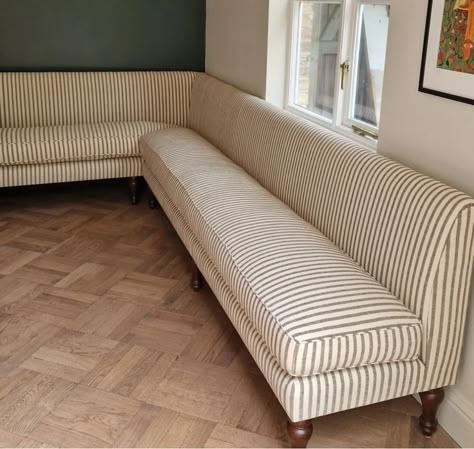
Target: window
337	62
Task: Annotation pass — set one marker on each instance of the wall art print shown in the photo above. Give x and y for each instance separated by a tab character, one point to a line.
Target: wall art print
456	48
448	52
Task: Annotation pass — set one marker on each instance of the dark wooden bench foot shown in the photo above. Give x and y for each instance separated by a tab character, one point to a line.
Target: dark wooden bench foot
299	433
133	185
197	279
152	201
430	400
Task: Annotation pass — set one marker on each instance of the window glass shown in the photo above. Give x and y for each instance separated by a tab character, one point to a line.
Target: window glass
370	63
318	45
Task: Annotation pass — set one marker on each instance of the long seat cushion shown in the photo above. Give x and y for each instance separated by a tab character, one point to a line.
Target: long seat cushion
315	307
55	144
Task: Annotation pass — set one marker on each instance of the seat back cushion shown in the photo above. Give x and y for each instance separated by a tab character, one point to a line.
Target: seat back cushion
72	98
396	223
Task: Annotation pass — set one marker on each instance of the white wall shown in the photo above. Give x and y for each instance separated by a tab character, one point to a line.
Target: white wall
236	43
434	136
428	133
277	43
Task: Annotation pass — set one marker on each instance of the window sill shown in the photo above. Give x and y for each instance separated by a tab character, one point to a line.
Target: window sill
345	131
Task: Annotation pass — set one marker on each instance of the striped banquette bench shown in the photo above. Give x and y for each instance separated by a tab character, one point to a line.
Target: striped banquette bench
68	126
345	273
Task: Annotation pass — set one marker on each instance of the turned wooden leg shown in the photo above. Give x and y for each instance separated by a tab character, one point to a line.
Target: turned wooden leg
152	201
197	280
133	184
299	433
430	400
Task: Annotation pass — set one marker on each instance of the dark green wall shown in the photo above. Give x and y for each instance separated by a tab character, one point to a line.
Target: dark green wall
102	35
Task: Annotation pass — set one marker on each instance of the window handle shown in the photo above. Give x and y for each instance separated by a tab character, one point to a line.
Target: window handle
344	71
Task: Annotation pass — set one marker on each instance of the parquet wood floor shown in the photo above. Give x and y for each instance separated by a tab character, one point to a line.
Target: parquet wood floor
103	343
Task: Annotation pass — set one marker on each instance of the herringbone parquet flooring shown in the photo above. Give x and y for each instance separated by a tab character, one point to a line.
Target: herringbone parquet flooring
102	342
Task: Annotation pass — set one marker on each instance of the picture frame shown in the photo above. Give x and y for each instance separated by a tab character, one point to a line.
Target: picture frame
447	68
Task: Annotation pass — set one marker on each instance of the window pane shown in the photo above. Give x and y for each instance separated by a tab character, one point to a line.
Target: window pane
370	61
317	56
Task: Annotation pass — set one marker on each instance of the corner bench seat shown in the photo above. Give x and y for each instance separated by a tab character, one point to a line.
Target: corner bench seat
316	308
78	126
346	274
72	143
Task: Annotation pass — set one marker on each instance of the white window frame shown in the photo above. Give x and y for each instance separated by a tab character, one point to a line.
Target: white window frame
347	52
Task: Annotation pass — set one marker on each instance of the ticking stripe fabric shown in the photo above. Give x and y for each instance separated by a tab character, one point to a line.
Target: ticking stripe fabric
301	397
46	145
394	222
446	307
64	121
315	307
71	98
22	175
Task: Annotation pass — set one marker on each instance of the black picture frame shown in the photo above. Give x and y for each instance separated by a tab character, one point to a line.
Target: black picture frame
421	86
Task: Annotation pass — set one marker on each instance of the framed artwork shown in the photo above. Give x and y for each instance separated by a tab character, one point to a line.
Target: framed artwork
447	68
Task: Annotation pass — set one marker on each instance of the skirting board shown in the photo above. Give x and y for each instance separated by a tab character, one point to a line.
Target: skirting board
456	416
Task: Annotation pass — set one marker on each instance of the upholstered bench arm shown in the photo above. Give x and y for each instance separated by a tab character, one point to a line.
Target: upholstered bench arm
443	311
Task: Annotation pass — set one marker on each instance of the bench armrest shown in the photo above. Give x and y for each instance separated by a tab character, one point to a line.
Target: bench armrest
444	311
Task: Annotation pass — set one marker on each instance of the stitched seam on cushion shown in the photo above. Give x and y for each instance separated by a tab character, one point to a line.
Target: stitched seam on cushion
161	125
72	159
80	139
243	275
384	329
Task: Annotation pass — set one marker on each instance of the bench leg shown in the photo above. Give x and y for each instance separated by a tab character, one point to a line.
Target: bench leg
197	279
133	185
299	433
152	201
430	400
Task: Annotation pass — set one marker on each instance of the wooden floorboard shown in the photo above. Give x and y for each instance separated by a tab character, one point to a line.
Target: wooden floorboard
103	343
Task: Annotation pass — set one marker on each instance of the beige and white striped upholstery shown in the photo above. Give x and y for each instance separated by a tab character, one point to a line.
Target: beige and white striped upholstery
66	121
23	175
315	307
73	98
345	273
301	397
398	225
53	144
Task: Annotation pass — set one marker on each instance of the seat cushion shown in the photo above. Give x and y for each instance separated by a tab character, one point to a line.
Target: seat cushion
316	308
54	144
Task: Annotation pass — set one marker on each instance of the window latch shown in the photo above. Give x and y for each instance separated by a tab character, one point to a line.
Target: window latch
344	71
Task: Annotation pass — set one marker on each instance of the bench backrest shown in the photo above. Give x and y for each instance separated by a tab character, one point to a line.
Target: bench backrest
413	234
71	98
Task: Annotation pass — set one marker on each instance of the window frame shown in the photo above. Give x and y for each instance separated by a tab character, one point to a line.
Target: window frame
349	42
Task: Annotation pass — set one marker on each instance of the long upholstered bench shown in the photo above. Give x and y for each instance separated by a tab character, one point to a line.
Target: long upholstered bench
79	126
346	274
